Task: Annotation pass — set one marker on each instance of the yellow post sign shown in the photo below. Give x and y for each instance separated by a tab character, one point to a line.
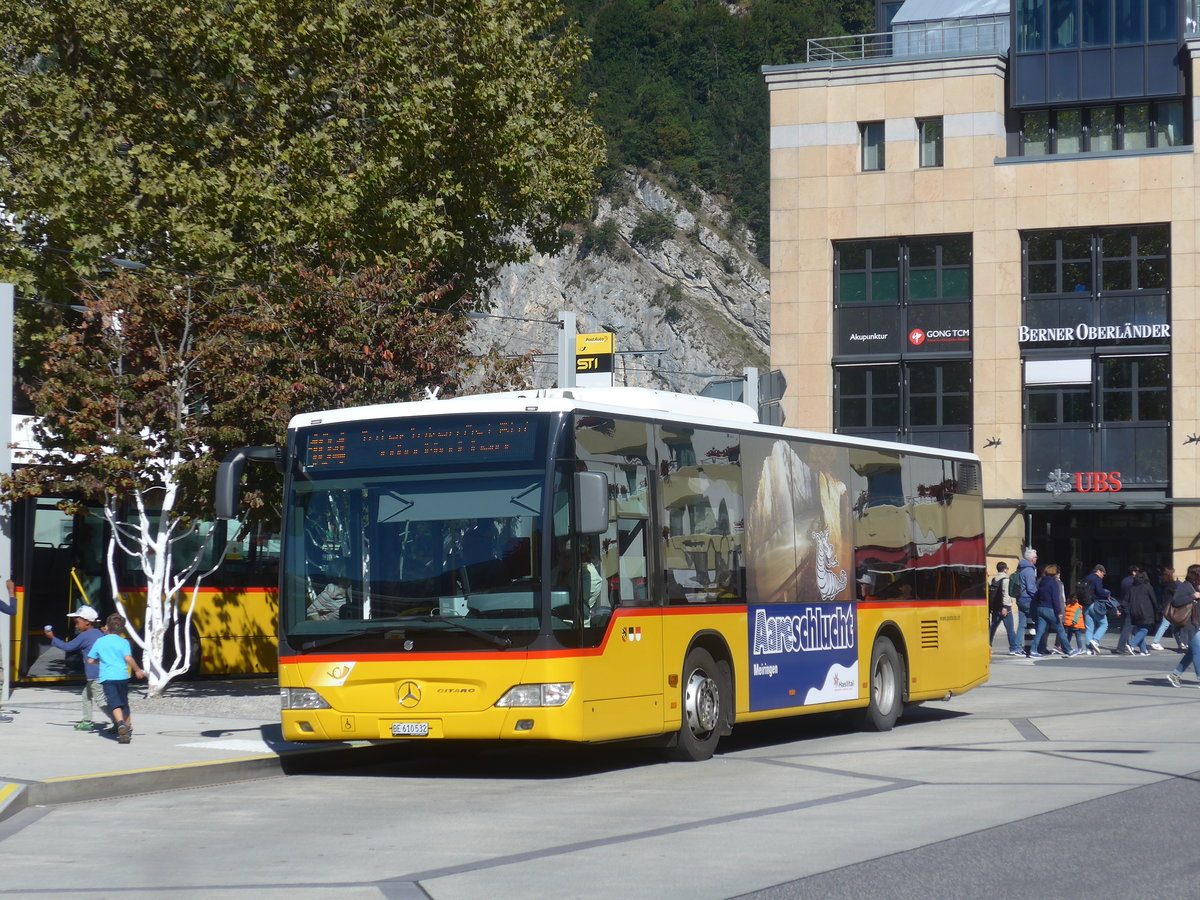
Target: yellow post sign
594	359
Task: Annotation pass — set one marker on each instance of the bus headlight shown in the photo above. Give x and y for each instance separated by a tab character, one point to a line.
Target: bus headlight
555	694
301	698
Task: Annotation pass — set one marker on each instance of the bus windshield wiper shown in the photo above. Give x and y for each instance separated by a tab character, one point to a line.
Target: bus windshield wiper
361	632
498	640
396	628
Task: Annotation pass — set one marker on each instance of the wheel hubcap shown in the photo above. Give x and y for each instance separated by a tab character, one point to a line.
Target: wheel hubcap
701	704
884	685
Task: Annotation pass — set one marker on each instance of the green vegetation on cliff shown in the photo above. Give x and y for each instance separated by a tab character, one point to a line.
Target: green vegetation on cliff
679	86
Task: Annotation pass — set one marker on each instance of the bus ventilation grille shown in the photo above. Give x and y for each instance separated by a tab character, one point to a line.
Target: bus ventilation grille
929	634
968	478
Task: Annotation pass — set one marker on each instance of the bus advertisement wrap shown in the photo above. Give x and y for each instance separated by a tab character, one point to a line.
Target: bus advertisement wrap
802	654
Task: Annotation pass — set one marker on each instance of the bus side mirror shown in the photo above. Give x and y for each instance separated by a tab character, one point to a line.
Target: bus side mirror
229	476
591	503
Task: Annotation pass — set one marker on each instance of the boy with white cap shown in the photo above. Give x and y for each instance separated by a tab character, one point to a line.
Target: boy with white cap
87	632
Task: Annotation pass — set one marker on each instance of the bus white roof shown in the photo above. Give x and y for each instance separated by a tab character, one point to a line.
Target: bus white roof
614	399
688	408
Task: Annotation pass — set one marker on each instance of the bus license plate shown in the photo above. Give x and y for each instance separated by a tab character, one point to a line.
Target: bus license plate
410	729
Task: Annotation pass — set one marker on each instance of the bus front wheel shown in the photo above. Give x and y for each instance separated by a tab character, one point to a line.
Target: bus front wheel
705	696
886	690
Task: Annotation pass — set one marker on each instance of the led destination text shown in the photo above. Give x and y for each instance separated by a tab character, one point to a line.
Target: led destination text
445	440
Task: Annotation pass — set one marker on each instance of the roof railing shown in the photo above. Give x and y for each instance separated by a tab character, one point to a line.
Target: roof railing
928	39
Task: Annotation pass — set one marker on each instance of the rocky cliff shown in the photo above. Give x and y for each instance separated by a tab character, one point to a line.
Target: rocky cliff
667	273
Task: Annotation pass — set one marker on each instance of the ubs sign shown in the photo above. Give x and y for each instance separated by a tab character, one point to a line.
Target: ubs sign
1084	482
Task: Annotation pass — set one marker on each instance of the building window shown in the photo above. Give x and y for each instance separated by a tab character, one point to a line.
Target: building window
1035	133
1099	129
1134	389
871	139
913	402
1064	25
1117	422
1031	20
1095	285
930	133
868	400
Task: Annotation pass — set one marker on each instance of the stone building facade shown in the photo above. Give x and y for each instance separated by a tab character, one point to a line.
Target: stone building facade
984	237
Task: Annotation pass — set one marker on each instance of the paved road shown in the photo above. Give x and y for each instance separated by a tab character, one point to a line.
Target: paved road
1060	778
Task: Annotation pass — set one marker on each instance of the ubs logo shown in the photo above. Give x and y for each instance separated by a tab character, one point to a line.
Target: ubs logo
409	694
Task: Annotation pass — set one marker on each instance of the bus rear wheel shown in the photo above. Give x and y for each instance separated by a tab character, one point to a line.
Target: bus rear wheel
886	688
706	699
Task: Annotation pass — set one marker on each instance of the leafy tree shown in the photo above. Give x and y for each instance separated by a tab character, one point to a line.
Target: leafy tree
245	138
652	229
369	160
189	369
604	239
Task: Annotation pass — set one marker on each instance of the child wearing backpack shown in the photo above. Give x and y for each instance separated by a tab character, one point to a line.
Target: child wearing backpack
1074	623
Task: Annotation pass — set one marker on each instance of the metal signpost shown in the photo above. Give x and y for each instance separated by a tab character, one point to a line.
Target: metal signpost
6	404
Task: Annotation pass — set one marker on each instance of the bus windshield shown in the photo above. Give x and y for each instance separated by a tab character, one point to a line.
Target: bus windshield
406	554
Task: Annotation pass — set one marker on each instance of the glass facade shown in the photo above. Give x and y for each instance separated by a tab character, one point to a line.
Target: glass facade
1096	286
1095	302
902	370
1117	425
1068	51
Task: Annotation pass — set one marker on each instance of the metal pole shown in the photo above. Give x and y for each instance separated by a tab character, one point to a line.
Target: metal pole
566	349
750	391
6	406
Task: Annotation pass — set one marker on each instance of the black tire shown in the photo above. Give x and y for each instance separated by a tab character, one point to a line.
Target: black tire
885	689
706	705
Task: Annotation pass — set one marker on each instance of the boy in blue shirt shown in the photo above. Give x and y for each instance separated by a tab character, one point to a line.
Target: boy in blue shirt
87	632
114	655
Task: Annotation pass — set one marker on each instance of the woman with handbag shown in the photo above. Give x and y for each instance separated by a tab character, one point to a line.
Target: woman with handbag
1049	607
1186	596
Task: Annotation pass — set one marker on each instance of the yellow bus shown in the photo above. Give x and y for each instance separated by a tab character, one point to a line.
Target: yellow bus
59	563
598	564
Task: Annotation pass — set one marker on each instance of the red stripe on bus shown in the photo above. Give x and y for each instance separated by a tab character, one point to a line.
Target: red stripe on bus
585	652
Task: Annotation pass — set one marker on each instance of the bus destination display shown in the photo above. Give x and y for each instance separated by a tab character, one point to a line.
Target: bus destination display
421	442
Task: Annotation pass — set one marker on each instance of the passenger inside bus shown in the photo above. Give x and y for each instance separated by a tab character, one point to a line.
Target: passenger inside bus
483	557
329	603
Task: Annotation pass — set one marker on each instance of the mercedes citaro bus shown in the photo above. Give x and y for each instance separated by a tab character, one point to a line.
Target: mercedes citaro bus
598	564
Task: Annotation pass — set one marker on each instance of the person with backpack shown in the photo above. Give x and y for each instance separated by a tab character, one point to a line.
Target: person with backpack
1026	578
1000	610
1097	612
1186	595
1143	612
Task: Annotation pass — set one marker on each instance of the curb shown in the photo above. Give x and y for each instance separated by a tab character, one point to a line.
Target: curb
17	796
